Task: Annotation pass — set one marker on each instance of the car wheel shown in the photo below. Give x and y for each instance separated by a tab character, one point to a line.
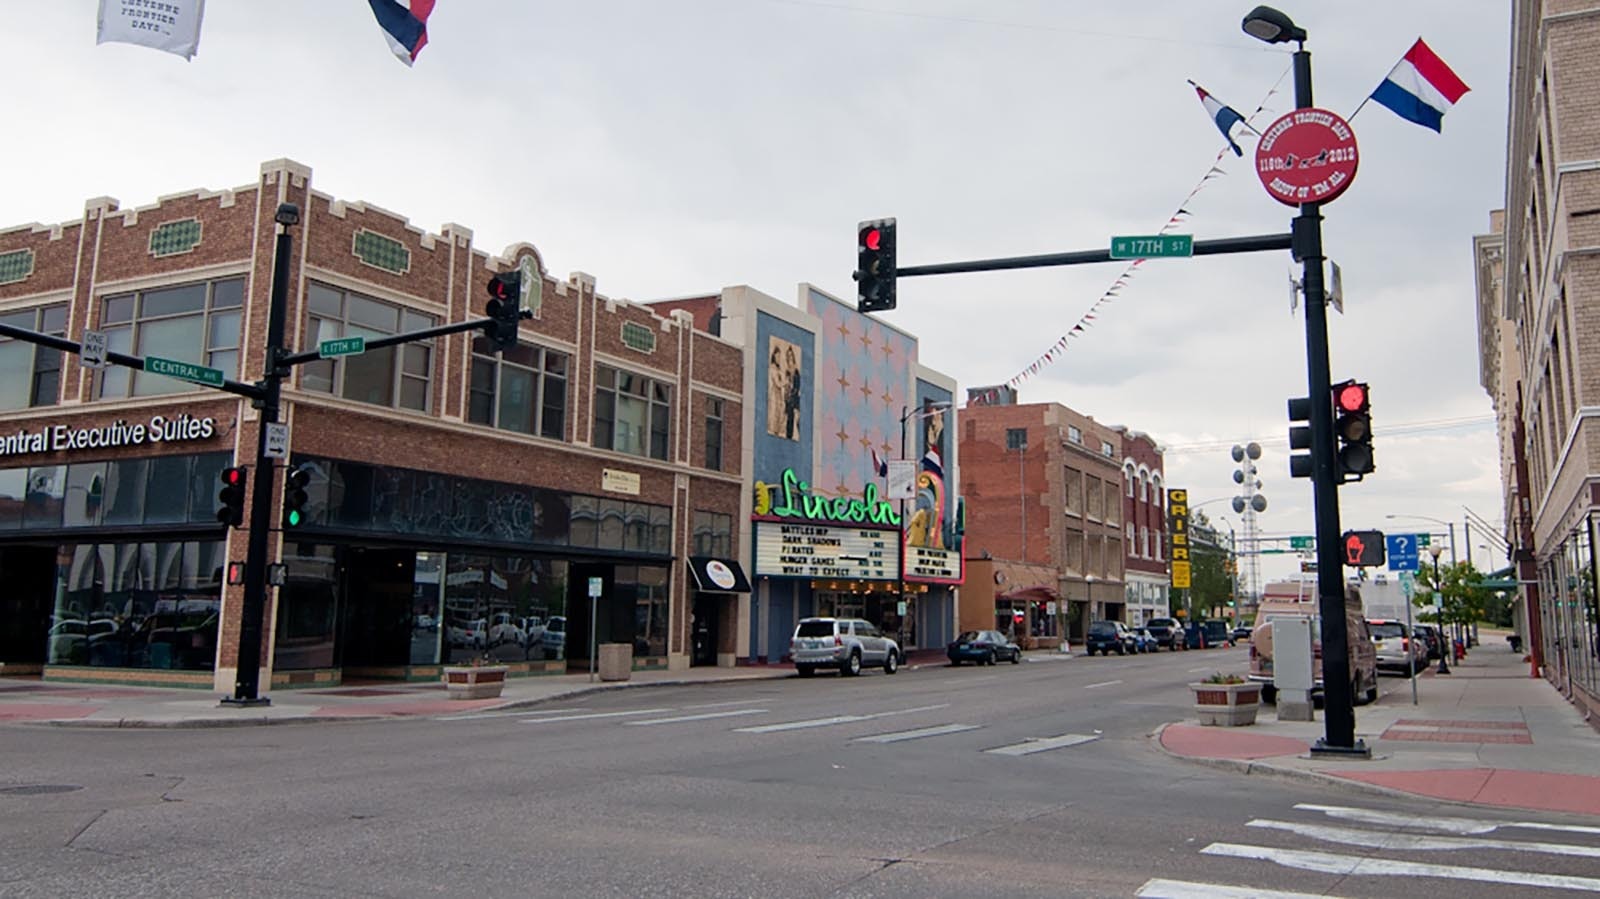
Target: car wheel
955	663
1372	692
992	658
852	665
891	662
805	670
1122	650
1016	656
1269	694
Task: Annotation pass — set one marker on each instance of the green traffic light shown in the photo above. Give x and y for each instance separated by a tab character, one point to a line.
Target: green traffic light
293	518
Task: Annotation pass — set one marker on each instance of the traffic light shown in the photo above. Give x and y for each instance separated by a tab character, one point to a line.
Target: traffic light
1363	548
1300	464
294	496
230	510
1352	403
875	266
505	308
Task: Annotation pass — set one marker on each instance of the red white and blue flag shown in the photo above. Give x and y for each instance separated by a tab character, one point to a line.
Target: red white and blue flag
405	24
1421	88
1224	115
880	465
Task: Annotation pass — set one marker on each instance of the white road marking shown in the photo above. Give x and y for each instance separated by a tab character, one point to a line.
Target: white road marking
918	734
1201	668
589	715
514	713
718	705
836	719
1405	842
1184	889
1102	684
1447	824
1043	744
1347	865
700	717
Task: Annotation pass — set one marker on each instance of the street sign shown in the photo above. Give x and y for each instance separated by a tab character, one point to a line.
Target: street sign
1307	156
183	371
1302	543
902	480
1408	584
342	346
1403	554
277	441
1424	540
93	354
596	587
1151	246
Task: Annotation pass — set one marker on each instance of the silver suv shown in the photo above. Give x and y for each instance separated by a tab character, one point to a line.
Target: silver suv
847	644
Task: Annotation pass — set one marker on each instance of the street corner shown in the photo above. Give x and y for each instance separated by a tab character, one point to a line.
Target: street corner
42	712
1499	787
1239	744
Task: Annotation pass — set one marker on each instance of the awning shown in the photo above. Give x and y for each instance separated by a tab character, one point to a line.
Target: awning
713	575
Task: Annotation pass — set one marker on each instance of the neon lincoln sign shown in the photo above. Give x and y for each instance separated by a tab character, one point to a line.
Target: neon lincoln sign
792	498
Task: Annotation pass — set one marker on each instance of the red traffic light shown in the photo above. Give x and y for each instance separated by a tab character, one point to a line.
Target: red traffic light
1351	397
233	477
871	238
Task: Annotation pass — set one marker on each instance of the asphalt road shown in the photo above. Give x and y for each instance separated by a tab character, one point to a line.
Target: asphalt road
1037	779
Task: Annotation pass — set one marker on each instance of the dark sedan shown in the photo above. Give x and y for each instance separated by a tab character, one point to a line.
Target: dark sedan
983	648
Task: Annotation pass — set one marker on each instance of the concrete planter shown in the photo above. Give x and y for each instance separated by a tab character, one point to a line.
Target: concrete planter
616	661
1226	705
481	682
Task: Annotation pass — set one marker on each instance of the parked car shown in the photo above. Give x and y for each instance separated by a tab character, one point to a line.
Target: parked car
983	647
1167	631
1109	636
1217	633
1429	635
1397	649
1241	634
506	629
1206	635
848	644
473	634
1363	657
1144	641
554	638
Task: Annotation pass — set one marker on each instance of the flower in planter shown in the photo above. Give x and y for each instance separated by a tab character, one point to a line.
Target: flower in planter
1220	678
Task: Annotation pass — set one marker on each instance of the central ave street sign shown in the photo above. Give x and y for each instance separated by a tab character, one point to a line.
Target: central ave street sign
1151	246
183	371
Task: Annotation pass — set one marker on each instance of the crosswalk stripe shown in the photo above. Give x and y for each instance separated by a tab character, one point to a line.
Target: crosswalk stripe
1157	888
1403	842
512	713
918	734
1444	823
589	715
1347	865
835	719
700	717
1102	684
1029	747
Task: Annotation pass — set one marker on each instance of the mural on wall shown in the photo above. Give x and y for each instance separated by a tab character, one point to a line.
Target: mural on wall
863	373
783	389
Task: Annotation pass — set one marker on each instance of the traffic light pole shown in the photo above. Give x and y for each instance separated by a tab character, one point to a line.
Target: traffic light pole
1251	244
1338	693
247	671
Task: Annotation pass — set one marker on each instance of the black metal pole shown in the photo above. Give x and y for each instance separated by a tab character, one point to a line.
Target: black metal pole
247	679
1251	244
1446	645
1338	692
900	583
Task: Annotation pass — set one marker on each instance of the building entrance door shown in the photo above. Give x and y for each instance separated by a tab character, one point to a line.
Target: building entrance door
378	586
705	634
29	573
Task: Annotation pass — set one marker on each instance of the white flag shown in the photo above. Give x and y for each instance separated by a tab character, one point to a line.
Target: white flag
170	25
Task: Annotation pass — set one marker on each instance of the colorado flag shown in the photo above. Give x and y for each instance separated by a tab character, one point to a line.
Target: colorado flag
1421	88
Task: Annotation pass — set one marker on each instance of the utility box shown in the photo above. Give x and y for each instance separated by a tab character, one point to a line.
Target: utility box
616	661
1291	666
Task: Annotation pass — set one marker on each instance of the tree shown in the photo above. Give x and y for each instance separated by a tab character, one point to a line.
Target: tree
1211	584
1464	600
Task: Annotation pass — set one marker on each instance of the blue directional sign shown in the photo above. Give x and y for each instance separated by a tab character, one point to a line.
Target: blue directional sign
1403	555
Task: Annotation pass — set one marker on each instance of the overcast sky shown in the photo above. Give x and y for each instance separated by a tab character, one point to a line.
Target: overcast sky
673	147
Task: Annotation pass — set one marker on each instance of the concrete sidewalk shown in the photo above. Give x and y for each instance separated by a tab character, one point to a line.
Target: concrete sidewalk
30	700
1488	734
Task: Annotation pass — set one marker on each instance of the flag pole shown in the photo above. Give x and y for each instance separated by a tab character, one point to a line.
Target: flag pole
1358	109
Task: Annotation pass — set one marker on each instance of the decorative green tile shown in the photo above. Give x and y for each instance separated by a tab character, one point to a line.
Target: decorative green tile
173	238
638	337
15	266
382	252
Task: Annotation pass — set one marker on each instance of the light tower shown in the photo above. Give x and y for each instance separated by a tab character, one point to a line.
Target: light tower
1249	503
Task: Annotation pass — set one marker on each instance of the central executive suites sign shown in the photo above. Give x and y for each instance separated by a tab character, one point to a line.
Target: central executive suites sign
57	438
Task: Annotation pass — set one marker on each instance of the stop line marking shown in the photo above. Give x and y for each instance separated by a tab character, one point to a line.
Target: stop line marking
1029	747
700	717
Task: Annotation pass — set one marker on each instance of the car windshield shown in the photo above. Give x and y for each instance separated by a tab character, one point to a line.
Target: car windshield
969	637
815	629
1384	629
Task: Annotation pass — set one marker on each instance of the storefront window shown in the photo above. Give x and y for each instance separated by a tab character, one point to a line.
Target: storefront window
497	607
46	494
139	605
308	606
13	494
650	624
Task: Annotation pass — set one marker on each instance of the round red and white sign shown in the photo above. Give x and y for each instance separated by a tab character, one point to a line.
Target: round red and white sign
720	574
1307	156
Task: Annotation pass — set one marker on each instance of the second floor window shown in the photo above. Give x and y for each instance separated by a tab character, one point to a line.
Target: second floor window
713	534
30	375
197	323
713	433
398	376
632	413
523	389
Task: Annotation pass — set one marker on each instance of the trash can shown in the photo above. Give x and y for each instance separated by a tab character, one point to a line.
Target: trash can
616	661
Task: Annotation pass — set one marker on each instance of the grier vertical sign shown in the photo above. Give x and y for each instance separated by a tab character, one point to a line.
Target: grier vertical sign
1178	528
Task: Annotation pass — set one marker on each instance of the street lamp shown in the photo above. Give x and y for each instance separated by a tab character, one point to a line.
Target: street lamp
1088	602
1338	698
1445	645
1449	524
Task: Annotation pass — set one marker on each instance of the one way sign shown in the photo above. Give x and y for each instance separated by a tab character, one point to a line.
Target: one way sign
1403	554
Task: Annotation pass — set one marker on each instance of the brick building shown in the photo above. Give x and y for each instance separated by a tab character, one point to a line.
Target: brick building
460	499
1043	486
1538	298
1144	516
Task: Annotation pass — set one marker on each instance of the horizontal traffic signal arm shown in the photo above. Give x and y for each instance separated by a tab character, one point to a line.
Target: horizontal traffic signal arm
249	391
1251	244
477	324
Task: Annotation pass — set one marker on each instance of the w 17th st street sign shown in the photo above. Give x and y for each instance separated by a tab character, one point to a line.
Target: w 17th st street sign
1152	246
1307	156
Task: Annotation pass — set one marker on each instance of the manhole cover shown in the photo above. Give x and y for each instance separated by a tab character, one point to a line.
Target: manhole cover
38	789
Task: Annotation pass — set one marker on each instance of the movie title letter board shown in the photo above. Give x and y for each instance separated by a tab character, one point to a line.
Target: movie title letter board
825	551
